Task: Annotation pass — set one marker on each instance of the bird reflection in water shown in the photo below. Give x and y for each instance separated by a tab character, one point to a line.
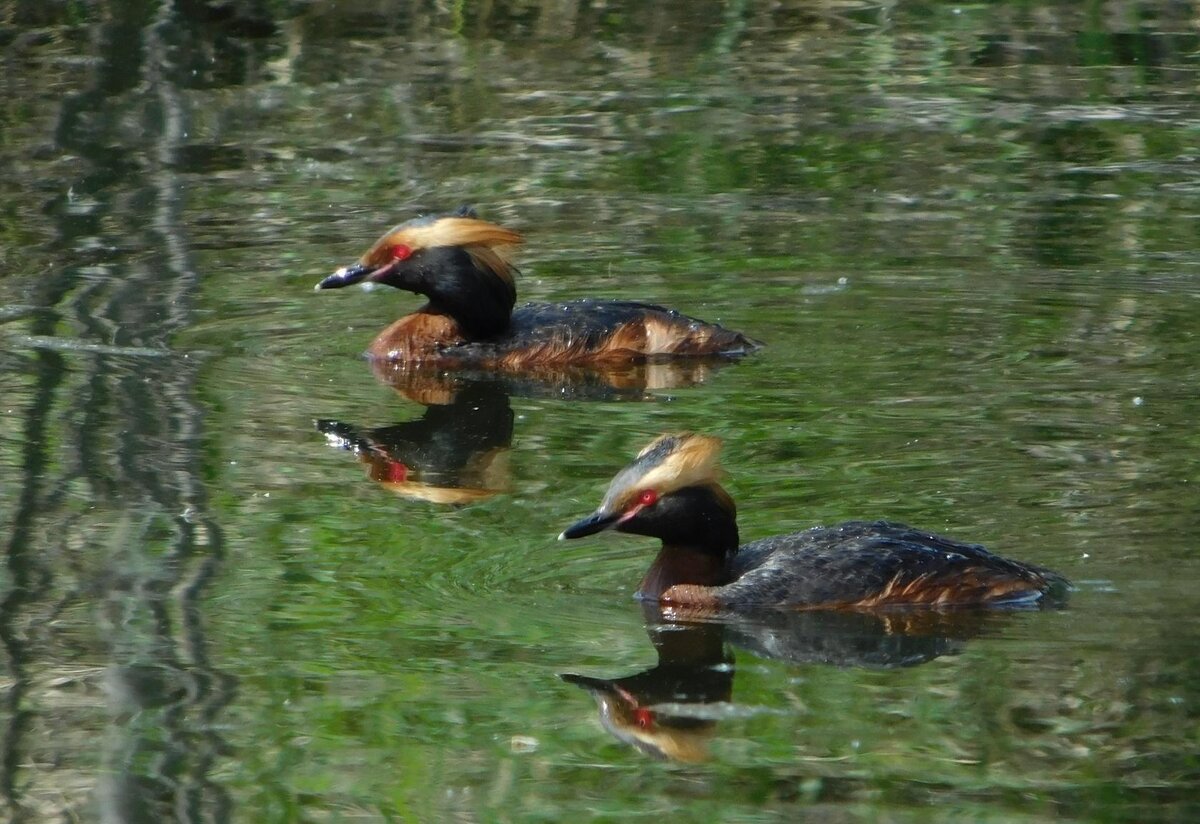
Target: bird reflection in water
671	710
457	451
613	381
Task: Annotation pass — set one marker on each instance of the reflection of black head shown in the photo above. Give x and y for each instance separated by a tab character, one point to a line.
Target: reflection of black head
444	443
478	419
646	709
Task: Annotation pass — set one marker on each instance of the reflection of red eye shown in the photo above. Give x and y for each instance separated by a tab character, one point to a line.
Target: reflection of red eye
648	497
401	252
395	472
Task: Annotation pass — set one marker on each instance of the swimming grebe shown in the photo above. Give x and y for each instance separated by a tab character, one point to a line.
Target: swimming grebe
461	264
670	491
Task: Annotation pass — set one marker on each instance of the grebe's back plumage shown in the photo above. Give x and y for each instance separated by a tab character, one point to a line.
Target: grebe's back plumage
878	563
462	265
670	492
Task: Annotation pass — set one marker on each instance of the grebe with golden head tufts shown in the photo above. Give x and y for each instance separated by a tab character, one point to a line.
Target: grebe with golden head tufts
462	265
671	492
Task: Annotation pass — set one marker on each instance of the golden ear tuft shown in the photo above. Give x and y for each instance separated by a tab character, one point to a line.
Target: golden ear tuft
457	231
486	242
687	459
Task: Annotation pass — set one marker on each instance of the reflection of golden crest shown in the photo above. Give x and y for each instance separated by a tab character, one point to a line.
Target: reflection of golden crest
487	475
651	731
668	711
455	453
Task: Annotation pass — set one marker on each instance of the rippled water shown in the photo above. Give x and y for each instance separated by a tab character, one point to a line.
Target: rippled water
246	580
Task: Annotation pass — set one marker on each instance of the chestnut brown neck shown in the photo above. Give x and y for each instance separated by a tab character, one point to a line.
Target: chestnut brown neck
683	565
698	529
416	337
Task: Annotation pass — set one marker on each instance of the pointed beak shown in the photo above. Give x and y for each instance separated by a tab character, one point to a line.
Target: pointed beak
596	522
341	435
587	682
356	273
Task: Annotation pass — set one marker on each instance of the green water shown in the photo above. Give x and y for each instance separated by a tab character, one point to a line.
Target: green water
967	234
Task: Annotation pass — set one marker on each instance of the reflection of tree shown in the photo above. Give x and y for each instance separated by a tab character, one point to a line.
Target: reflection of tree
110	420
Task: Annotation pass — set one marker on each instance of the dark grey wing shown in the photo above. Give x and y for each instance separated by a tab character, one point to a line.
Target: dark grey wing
874	563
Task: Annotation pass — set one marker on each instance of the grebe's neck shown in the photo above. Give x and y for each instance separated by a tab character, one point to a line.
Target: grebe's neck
682	565
478	298
697	543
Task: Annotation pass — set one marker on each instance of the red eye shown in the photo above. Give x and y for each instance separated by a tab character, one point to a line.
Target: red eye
643	717
401	252
647	497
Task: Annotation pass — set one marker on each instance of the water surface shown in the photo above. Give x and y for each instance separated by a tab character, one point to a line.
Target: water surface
966	233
